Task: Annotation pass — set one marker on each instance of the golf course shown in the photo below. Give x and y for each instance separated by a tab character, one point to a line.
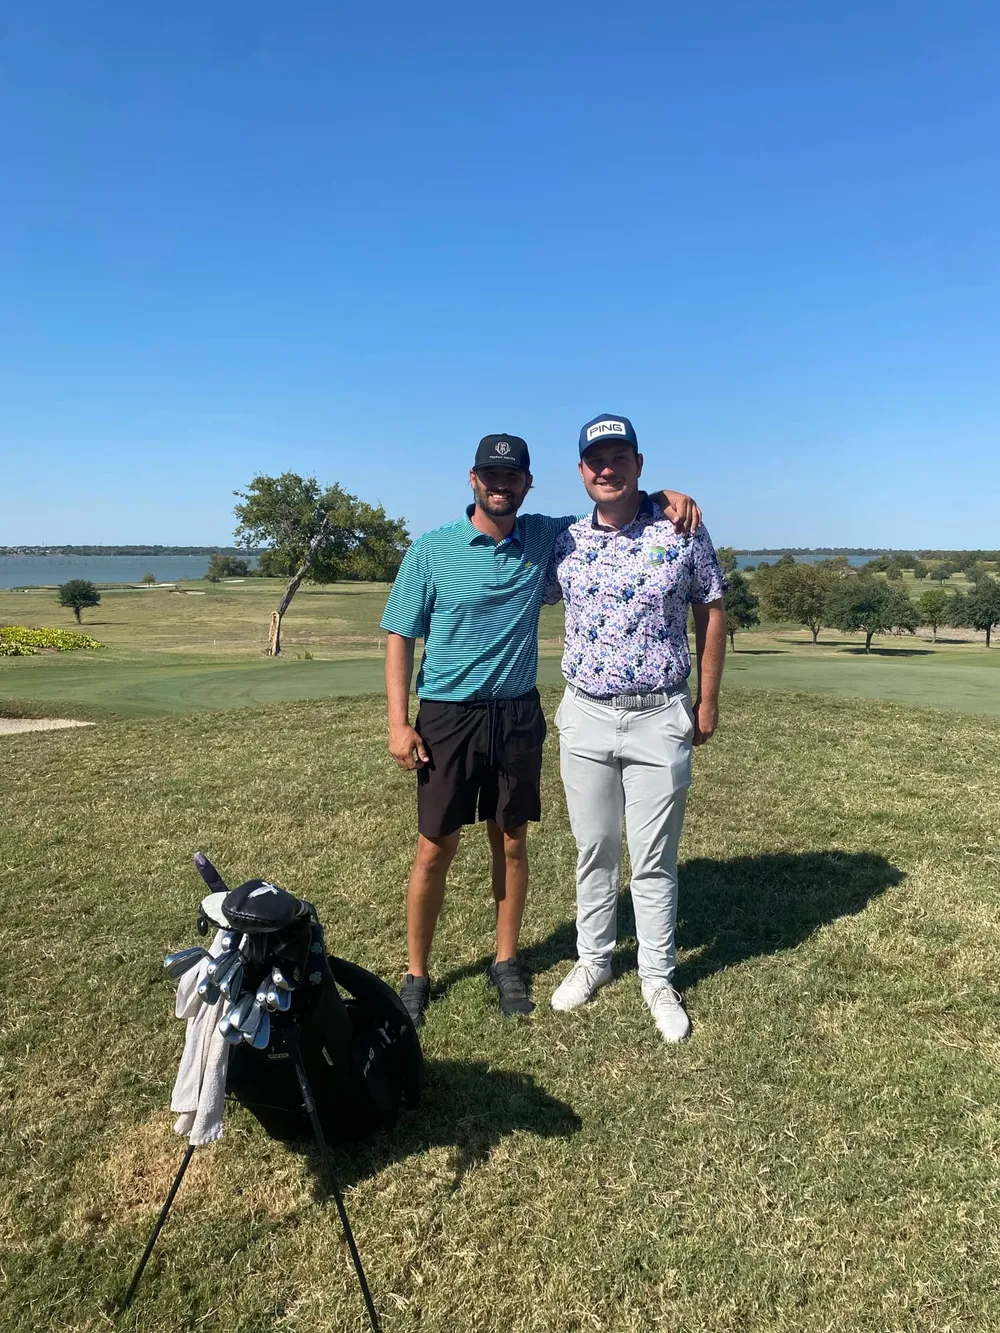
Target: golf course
821	1155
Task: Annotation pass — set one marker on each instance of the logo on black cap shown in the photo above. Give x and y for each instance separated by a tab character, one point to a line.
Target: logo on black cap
502	451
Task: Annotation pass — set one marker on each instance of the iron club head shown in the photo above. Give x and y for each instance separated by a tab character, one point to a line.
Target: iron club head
176	964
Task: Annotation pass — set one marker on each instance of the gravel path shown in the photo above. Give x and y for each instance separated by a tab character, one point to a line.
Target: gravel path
9	725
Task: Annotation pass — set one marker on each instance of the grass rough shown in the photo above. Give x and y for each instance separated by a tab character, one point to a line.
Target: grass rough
822	1155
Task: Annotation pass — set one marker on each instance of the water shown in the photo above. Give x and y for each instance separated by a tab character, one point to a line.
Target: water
746	561
20	570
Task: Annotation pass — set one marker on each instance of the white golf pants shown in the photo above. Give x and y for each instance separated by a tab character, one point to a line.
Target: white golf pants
634	765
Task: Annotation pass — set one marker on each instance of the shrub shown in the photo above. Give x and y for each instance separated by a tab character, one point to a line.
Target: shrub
20	641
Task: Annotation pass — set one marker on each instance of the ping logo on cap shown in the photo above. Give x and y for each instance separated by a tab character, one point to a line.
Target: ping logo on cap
608	427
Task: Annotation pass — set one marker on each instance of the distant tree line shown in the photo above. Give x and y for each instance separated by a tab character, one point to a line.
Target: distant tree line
961	559
870	600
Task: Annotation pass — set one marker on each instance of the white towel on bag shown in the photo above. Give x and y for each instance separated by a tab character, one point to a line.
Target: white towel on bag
199	1094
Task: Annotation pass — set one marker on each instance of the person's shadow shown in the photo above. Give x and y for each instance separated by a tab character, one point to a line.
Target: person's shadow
729	911
465	1106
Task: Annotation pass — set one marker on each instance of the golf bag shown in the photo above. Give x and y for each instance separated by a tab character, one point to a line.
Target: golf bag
358	1046
304	1057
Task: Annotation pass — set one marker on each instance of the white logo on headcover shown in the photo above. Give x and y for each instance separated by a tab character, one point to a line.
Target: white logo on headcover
264	888
502	448
606	428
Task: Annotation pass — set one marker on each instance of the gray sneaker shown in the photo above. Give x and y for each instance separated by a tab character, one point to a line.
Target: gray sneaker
667	1008
415	992
581	984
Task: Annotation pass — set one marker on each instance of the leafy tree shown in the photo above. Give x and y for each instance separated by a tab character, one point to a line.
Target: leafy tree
976	571
222	566
982	606
741	605
871	605
940	573
894	574
78	594
933	608
274	564
798	592
920	570
321	534
727	559
148	579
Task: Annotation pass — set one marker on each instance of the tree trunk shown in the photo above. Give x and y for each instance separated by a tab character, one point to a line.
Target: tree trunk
934	633
274	632
989	630
815	630
76	612
732	639
868	640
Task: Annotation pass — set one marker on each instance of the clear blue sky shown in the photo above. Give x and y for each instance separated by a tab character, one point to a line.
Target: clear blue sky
350	239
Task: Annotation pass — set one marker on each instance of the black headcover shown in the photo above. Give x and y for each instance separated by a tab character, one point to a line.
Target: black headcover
258	906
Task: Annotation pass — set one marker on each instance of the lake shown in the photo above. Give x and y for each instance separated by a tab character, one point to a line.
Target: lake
17	571
751	561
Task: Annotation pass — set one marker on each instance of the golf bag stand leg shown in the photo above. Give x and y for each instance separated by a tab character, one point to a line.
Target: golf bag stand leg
324	1152
158	1228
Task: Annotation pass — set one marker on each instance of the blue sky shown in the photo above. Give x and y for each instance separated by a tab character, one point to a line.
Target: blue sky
349	240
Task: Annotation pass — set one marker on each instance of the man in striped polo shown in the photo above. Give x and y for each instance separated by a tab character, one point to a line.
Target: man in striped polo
472	590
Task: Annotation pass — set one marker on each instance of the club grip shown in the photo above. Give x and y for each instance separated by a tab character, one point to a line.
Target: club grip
209	873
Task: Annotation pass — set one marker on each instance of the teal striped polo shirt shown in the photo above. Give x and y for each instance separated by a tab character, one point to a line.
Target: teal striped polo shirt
475	602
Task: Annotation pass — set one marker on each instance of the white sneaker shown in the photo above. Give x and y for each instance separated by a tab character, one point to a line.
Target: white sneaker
581	985
667	1008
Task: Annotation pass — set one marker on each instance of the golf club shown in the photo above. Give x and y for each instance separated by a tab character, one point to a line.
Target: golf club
176	964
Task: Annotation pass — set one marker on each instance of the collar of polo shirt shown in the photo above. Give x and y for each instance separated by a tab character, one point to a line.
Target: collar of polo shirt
645	510
516	534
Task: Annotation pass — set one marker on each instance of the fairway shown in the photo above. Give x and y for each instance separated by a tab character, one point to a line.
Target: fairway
171	653
821	1155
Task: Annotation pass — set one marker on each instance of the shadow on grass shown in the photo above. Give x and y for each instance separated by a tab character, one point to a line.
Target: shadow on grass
760	652
889	652
733	910
469	1108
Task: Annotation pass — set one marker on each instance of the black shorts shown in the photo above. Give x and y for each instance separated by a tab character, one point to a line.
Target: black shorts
485	763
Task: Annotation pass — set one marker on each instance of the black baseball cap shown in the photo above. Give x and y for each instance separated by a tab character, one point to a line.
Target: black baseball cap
607	427
502	451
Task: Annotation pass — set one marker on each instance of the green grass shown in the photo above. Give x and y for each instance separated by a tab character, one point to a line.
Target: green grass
172	653
822	1155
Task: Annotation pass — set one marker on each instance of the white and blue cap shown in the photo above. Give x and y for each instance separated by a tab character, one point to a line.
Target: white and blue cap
607	427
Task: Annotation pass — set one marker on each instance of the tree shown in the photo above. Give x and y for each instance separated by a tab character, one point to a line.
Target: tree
727	559
741	606
798	592
894	574
273	564
871	605
148	579
919	569
323	535
933	608
78	594
940	573
982	606
222	566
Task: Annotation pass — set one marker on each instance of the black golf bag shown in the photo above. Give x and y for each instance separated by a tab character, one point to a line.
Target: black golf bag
359	1048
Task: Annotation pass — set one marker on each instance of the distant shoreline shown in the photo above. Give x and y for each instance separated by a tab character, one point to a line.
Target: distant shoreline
126	550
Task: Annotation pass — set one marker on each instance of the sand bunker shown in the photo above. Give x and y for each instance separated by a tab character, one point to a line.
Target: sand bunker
9	725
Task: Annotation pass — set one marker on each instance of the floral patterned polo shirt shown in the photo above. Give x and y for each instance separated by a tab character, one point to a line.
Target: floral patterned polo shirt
627	593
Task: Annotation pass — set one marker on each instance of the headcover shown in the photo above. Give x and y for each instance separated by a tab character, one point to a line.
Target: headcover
260	906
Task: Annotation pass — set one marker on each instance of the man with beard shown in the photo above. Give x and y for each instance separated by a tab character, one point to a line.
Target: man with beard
472	591
626	722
